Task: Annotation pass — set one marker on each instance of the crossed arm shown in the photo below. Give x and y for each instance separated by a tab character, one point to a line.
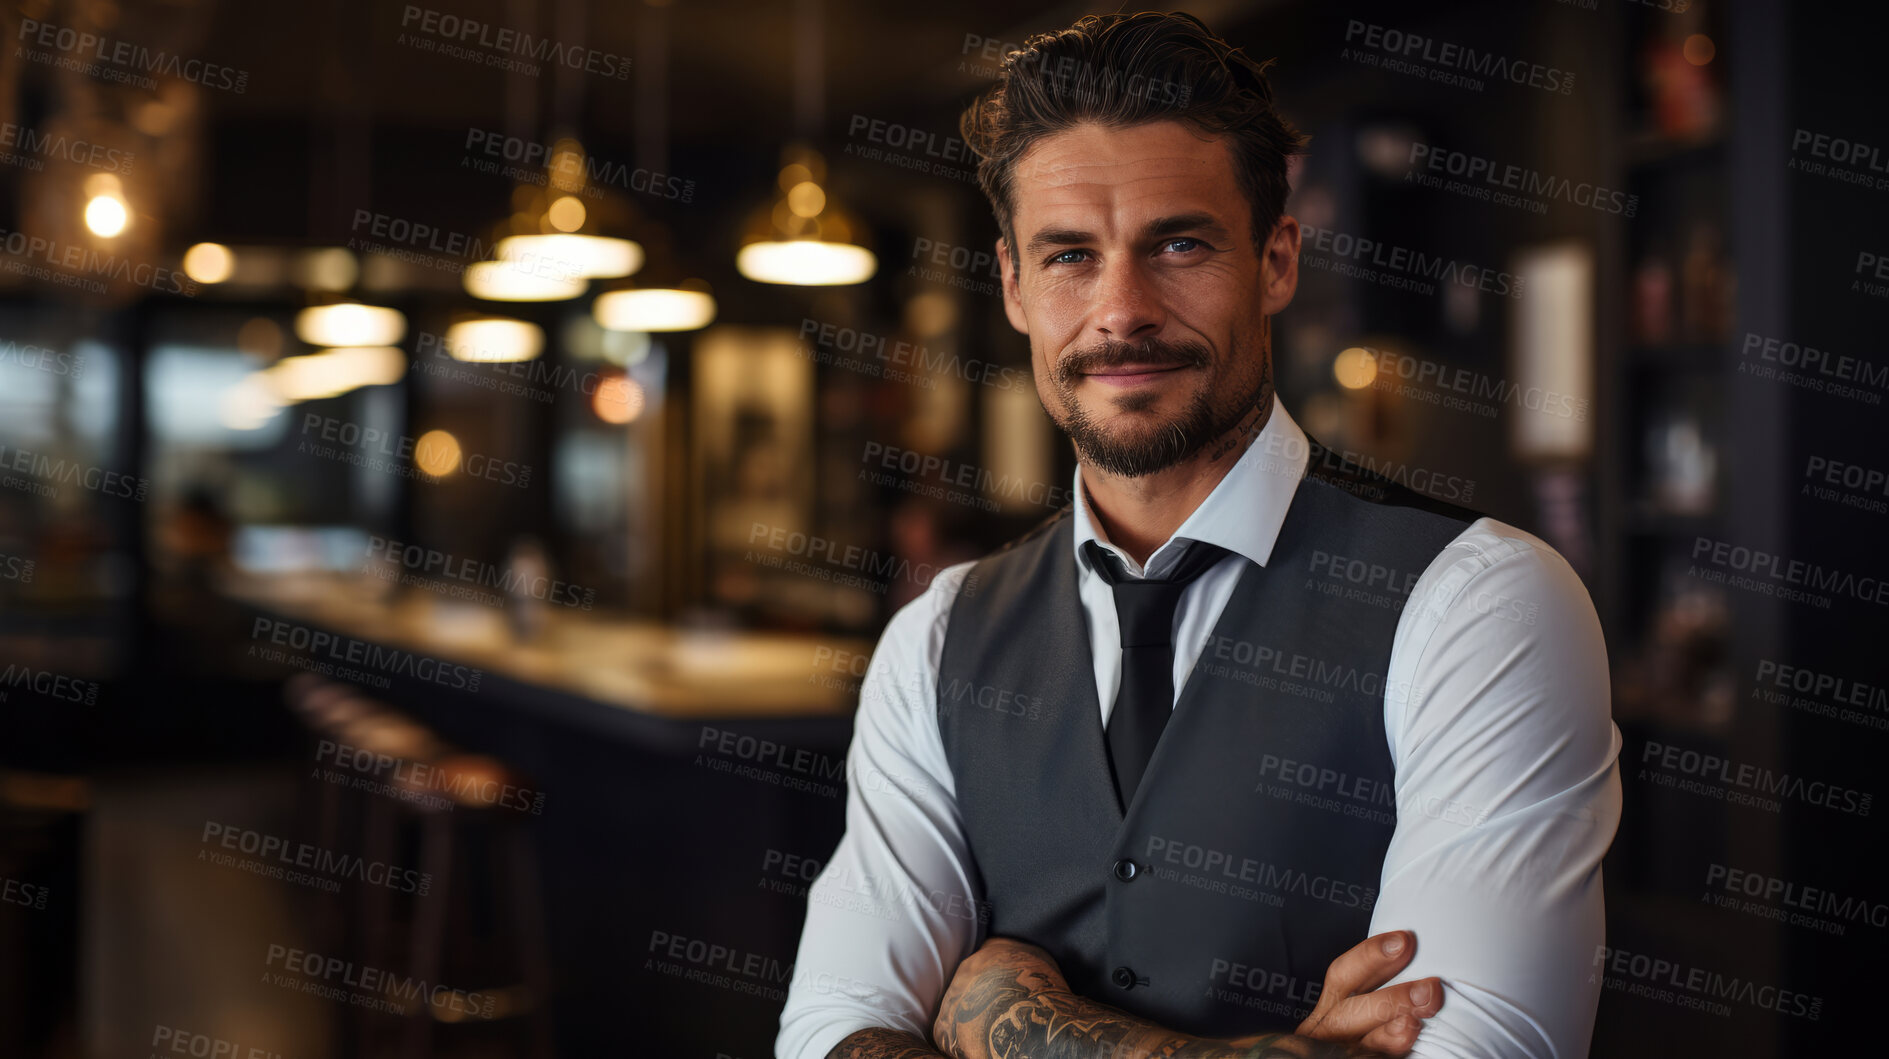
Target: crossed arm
1009	1001
1508	796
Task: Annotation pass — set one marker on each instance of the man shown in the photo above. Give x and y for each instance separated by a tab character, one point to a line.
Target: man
1142	781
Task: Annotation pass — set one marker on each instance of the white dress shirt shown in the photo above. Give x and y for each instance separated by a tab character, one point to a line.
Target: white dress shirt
1507	787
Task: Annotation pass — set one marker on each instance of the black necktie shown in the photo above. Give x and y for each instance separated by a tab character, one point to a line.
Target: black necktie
1146	699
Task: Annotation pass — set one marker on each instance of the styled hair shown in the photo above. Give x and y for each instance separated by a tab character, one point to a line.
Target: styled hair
1120	70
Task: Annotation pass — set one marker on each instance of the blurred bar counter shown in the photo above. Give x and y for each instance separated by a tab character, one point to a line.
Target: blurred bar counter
641	666
679	769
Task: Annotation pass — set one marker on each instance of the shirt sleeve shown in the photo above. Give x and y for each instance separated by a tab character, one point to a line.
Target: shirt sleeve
1508	794
891	915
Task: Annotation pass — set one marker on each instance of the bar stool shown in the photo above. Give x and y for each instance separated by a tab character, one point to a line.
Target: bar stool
445	805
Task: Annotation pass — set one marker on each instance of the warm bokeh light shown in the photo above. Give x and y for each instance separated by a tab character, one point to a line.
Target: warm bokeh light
250	403
106	215
655	309
617	399
327	268
333	372
806	199
436	453
350	324
1699	49
506	281
1355	368
567	213
494	340
562	254
209	262
806	263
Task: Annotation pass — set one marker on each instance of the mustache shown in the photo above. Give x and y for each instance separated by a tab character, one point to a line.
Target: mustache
1117	354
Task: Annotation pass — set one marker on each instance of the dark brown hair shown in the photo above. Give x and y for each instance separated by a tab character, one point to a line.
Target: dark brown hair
1120	70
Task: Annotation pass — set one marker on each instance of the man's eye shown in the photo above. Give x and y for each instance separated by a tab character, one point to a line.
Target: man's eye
1187	244
1064	258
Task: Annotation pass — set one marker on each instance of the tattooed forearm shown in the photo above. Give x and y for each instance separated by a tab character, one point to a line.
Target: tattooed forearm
1005	1014
883	1044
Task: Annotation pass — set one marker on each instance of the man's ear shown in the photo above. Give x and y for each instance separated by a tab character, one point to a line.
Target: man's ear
1280	266
1013	298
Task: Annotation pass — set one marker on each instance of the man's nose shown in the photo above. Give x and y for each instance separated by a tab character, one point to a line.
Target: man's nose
1124	304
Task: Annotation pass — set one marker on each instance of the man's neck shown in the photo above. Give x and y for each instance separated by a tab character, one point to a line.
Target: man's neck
1139	514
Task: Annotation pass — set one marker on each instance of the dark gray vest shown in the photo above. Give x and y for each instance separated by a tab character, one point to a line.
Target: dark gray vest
1251	854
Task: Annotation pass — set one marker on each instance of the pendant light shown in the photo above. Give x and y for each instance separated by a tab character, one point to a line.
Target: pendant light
664	297
803	236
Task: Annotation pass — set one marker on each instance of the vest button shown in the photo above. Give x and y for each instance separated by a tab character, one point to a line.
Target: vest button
1124	977
1124	869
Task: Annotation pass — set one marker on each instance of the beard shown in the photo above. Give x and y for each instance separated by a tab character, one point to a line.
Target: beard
1133	451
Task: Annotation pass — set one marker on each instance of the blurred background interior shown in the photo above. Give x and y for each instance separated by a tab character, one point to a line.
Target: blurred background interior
484	441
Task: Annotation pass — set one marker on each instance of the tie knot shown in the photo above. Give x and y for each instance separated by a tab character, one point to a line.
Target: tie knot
1145	606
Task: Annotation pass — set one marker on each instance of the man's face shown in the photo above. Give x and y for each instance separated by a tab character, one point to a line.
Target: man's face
1141	290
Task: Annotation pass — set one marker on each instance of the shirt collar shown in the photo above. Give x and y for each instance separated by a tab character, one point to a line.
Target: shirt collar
1242	514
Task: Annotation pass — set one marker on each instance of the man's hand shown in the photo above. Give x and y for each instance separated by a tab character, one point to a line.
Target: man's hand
1009	998
1353	1007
